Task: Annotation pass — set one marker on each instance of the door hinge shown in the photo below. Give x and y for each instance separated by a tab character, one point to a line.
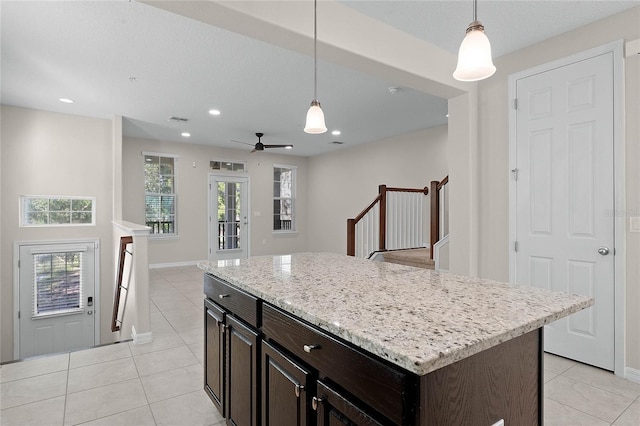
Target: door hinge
515	246
18	263
515	173
515	103
18	314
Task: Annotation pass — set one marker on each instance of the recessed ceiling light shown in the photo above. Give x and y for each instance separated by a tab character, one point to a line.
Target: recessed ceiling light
66	100
214	112
186	134
335	132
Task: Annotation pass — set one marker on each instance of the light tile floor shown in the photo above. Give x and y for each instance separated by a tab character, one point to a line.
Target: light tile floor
160	383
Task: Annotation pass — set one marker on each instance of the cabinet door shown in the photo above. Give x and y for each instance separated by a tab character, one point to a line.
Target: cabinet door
214	355
334	409
285	389
242	380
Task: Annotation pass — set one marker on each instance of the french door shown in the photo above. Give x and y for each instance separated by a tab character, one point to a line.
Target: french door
228	217
56	297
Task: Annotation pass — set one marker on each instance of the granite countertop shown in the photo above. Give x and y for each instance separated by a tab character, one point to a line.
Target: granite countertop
418	319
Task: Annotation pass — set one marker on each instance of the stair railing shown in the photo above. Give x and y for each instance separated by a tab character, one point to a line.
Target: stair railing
392	221
439	219
118	307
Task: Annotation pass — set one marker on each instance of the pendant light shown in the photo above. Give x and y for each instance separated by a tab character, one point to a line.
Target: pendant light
315	116
474	56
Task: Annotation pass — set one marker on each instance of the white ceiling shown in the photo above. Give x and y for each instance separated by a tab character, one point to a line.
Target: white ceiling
146	64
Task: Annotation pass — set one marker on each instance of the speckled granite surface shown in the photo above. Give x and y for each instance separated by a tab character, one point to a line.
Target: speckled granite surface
418	319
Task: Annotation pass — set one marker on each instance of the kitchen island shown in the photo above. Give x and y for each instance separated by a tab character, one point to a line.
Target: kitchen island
314	338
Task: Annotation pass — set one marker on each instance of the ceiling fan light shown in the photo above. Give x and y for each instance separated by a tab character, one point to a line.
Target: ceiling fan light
474	56
315	119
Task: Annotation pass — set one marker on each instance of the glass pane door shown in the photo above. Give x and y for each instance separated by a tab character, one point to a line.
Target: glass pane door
229	217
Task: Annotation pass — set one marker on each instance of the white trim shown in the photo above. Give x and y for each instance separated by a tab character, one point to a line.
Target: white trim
141	338
616	48
436	252
632	374
159	154
16	286
174	264
131	228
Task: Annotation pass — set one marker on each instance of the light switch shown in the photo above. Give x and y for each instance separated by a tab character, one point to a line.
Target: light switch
634	224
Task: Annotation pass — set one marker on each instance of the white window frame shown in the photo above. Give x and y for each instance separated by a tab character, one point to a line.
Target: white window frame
175	157
23	198
294	185
218	171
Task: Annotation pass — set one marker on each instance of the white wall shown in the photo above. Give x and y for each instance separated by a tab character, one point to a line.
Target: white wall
344	182
192	195
493	157
46	153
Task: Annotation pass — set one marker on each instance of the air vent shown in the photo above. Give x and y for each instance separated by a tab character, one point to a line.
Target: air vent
178	119
337	142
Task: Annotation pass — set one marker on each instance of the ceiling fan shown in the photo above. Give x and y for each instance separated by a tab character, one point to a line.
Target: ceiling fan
260	146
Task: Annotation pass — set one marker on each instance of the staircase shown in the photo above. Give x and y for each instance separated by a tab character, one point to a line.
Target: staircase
418	257
392	227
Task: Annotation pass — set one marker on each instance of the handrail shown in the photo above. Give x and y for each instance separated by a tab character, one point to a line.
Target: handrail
366	210
443	182
115	322
380	199
435	211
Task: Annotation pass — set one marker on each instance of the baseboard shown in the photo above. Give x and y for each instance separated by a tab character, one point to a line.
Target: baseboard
141	338
632	374
173	264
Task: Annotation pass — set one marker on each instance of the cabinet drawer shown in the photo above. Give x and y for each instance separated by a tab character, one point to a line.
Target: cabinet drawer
239	303
387	390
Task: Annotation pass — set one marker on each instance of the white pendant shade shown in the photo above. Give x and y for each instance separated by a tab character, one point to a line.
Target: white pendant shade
474	56
315	119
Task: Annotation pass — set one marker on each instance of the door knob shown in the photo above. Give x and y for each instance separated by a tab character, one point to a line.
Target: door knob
603	251
89	312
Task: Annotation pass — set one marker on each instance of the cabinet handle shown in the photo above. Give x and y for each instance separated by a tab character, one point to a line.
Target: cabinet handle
299	388
314	403
222	296
309	348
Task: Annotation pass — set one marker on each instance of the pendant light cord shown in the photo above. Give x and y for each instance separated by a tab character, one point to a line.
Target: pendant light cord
475	10
315	42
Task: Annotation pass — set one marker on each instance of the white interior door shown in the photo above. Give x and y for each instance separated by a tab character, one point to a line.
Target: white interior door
228	217
565	200
57	305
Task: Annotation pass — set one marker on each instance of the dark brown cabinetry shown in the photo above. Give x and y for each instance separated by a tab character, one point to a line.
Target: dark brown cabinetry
232	352
242	380
266	366
286	389
333	409
215	355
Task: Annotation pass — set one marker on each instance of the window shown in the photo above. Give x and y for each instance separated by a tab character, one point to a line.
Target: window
57	211
57	283
284	194
160	193
228	166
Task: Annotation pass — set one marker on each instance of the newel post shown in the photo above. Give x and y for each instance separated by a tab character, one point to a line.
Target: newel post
351	237
435	215
382	190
